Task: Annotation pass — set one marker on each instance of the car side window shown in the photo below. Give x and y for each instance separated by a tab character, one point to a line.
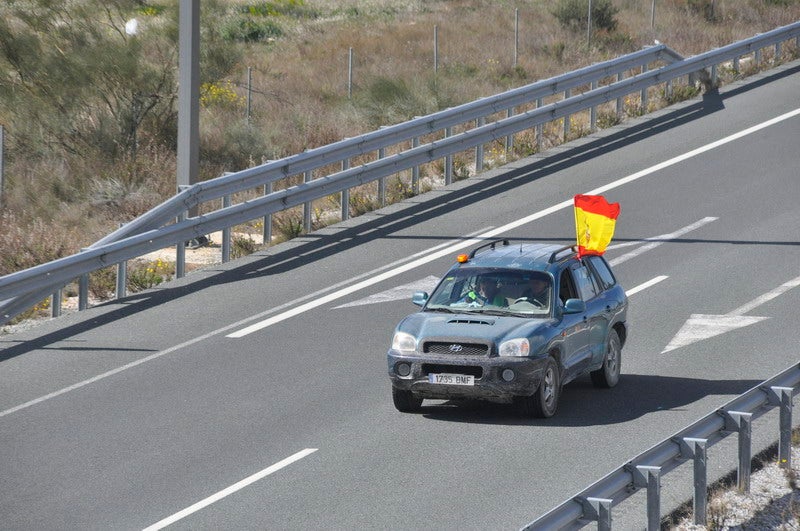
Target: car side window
566	287
603	272
585	282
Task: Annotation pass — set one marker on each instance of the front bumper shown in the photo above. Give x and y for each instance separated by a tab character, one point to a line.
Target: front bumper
487	372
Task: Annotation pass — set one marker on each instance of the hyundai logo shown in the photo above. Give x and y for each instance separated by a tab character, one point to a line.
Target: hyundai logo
456	348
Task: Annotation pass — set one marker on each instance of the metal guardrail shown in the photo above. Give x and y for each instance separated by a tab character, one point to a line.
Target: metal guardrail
594	503
156	230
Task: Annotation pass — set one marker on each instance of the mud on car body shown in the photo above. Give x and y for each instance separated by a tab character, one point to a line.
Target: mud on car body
511	323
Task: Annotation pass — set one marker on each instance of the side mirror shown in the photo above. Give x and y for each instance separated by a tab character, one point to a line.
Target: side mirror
574	306
419	298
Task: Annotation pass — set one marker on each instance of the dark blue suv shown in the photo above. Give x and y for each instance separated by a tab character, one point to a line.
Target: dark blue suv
511	323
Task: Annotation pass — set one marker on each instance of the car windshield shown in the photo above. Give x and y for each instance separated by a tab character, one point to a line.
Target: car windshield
494	291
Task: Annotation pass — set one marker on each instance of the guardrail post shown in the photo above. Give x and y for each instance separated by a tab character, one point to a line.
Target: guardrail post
122	276
266	229
415	169
713	75
620	101
382	180
307	206
540	127
55	303
226	234
778	52
567	95
83	290
782	398
593	111
649	477
695	449
742	423
597	510
448	160
345	194
736	64
758	57
644	92
509	138
479	149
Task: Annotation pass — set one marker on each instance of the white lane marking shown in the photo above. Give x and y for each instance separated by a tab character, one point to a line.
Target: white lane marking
703	326
397	293
230	490
649	283
505	228
659	240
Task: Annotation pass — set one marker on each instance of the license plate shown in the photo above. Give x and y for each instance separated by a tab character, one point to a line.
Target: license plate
451	379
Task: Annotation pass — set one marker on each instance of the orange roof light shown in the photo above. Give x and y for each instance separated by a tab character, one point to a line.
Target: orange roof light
462	258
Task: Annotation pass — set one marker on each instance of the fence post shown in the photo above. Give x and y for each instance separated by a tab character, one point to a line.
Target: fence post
692	448
350	73
249	91
742	423
435	49
516	36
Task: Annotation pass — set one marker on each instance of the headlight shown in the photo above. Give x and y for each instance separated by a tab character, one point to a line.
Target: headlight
515	347
404	342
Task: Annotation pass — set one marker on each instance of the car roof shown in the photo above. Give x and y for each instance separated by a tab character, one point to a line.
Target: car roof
516	255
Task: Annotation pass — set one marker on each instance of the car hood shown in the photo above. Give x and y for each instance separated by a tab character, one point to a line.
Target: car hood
425	325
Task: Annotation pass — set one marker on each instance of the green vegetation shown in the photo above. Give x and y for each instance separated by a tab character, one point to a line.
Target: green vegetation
89	108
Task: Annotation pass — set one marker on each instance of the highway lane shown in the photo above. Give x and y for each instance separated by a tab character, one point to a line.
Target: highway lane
137	446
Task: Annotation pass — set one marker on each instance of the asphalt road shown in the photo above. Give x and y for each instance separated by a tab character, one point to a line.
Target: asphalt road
254	395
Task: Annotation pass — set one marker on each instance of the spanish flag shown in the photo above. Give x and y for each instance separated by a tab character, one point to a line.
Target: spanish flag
595	219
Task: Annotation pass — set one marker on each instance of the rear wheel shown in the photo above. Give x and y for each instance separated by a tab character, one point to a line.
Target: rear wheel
608	375
543	403
405	401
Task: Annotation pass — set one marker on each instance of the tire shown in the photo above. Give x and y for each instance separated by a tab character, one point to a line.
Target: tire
544	402
405	401
607	376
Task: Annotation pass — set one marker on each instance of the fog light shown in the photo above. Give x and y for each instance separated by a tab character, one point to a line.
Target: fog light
403	369
507	375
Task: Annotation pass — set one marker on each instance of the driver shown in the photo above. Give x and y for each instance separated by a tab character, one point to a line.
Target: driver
487	293
537	291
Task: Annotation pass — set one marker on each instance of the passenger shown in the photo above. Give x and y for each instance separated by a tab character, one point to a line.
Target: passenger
487	294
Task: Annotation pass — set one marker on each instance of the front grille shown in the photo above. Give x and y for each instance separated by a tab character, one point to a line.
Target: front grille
456	348
434	368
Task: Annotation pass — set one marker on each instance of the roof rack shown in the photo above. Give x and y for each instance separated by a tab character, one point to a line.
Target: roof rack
559	251
490	244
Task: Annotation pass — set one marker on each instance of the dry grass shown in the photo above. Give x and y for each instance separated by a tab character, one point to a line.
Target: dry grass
300	99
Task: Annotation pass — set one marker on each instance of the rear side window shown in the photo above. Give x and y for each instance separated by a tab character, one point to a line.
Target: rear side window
603	272
585	283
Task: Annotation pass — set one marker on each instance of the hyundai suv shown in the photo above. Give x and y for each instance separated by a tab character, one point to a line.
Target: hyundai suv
511	323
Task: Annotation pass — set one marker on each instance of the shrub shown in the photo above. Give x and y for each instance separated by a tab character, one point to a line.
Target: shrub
244	28
145	275
573	14
242	246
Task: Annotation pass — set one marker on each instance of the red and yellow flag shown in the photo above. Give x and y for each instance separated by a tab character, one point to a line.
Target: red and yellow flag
595	219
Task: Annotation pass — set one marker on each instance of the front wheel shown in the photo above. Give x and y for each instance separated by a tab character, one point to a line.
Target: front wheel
405	401
543	403
608	375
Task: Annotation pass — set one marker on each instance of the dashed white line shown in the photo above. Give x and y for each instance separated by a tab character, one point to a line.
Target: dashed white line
645	285
230	490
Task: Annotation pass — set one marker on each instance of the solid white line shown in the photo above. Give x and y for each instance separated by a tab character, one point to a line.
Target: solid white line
758	301
230	490
503	229
645	285
656	241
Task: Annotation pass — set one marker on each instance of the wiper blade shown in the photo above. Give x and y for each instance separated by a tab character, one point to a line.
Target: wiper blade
440	309
500	313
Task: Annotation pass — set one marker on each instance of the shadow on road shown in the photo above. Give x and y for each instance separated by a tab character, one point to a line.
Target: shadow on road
582	404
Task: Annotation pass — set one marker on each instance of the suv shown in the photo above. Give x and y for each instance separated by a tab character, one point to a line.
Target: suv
511	323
